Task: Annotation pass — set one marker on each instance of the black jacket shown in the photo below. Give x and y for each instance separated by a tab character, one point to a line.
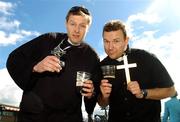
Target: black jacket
56	91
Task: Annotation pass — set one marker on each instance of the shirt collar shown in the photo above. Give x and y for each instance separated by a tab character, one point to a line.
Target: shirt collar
72	43
119	59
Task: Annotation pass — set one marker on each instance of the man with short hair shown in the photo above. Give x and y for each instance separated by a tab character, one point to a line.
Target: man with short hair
45	69
140	82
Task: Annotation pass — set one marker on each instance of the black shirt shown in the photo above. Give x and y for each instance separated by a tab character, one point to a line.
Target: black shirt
150	73
56	91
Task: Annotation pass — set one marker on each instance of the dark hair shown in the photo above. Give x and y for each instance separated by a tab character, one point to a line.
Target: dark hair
115	25
79	10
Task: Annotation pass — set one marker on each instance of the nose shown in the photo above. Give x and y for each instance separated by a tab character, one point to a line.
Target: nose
77	29
111	45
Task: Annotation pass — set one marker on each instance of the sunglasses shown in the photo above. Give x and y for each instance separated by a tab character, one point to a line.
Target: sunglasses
79	8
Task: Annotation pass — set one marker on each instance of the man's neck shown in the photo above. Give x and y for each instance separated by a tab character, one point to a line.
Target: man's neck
73	43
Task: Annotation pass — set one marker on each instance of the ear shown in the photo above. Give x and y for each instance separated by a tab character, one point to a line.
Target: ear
127	40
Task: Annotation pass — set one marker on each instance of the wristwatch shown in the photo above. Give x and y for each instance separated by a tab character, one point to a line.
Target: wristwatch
144	93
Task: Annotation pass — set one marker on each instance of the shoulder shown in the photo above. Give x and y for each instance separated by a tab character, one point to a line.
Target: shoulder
47	36
53	35
50	37
142	54
43	39
106	60
89	49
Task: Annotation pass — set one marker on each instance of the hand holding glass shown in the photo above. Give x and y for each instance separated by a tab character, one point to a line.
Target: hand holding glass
81	77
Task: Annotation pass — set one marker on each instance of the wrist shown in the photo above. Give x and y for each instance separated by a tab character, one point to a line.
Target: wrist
144	93
92	95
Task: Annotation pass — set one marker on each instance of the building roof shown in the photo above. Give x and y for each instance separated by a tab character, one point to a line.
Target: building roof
8	107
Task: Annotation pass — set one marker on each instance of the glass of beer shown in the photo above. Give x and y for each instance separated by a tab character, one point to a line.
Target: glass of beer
81	77
108	72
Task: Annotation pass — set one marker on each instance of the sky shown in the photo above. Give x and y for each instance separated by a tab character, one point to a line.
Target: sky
153	25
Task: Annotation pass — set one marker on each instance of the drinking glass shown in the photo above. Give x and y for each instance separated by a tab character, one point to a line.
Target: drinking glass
108	72
81	77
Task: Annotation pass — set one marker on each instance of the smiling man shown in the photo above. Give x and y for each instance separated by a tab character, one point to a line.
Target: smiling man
140	82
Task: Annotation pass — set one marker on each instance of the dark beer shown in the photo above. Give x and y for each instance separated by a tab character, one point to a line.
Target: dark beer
108	72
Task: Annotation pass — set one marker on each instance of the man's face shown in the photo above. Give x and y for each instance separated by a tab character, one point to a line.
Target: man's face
77	27
114	43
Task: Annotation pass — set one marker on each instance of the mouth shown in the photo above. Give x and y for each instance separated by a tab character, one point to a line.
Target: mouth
76	36
110	52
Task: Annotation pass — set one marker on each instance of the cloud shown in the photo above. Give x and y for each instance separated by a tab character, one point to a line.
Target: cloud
90	1
145	17
6	7
10	93
12	38
8	24
10	31
144	29
164	7
149	16
165	47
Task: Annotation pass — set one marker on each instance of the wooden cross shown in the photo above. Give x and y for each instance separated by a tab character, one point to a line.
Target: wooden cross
126	66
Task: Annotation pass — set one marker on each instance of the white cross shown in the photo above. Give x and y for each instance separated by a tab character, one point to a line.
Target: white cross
126	66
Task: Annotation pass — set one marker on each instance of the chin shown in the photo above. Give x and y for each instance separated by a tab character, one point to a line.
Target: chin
112	57
75	41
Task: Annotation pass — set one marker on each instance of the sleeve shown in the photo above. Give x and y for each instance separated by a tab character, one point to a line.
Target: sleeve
160	75
91	103
21	61
166	113
96	77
